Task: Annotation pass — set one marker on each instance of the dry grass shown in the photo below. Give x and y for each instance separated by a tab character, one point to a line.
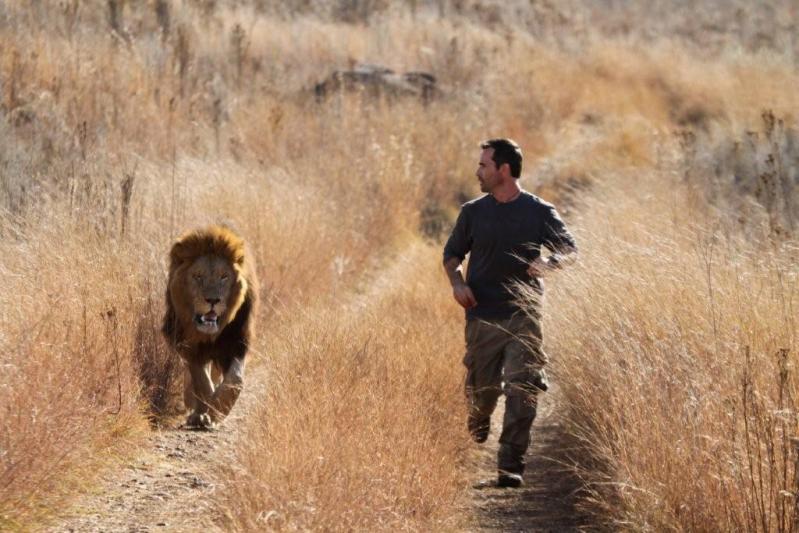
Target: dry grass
362	428
679	375
122	127
69	384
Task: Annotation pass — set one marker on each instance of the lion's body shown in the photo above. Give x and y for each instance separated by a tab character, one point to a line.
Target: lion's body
211	302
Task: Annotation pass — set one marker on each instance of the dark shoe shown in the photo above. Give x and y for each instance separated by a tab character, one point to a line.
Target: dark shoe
502	481
509	481
479	429
484	484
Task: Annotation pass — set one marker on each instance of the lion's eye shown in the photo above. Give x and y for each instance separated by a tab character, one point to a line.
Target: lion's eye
224	277
197	277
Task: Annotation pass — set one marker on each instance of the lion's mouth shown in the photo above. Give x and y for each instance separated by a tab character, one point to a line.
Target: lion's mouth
207	323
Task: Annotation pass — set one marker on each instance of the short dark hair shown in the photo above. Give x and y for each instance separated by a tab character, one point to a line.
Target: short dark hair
505	151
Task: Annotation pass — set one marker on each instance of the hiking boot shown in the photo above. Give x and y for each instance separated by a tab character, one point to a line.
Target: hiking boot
507	480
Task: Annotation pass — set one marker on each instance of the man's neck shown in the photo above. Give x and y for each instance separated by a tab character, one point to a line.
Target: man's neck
507	192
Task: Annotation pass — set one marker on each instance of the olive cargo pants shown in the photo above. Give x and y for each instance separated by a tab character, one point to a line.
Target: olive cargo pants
504	351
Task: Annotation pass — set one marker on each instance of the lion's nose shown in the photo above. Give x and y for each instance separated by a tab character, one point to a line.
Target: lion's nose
212	301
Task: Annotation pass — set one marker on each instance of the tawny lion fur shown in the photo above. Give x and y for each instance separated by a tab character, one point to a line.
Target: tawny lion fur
211	302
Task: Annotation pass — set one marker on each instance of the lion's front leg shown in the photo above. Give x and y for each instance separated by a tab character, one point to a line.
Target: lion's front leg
189	400
200	392
228	391
216	374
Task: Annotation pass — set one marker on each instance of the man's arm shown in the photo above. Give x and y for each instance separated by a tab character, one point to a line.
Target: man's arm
460	290
458	245
565	256
559	240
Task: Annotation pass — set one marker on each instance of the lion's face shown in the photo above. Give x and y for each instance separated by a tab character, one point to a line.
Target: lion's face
209	282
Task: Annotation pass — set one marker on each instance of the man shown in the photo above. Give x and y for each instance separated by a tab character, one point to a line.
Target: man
503	232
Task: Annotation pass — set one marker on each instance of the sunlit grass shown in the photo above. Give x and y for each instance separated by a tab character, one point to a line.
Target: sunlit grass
667	337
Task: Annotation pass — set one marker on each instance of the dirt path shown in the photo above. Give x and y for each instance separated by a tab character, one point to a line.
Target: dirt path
165	489
169	486
546	501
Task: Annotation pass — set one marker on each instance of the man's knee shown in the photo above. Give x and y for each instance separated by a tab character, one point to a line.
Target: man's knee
521	403
483	400
524	369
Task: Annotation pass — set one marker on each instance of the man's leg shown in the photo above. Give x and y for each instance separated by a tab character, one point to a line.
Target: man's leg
483	363
523	362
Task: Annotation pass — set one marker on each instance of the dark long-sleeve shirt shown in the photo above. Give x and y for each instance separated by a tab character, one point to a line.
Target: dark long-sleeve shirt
502	240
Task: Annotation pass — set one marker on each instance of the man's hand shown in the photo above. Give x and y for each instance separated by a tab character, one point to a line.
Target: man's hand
463	295
539	267
460	290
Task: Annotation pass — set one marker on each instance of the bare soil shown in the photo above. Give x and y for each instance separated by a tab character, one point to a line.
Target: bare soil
166	489
547	501
169	486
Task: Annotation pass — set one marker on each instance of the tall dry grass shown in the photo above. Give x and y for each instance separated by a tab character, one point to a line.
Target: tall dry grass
362	426
679	376
70	389
124	123
87	303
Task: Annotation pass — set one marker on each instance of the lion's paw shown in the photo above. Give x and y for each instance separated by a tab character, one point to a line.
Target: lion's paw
199	420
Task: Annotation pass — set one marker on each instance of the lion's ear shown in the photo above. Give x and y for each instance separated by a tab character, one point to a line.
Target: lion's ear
179	254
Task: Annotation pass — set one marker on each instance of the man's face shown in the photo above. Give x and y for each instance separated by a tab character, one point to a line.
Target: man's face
487	171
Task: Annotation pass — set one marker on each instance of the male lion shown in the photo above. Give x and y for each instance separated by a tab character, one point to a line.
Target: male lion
210	310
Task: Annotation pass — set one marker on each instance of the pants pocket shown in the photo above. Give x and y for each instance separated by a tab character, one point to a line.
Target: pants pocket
471	331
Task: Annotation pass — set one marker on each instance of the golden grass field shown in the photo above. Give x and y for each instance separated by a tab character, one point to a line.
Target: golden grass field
666	135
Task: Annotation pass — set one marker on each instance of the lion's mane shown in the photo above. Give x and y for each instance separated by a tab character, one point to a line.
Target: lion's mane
237	324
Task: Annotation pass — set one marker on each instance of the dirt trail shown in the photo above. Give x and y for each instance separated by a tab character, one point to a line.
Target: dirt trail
168	487
546	501
163	490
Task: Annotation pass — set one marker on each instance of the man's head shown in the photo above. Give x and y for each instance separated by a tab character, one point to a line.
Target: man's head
505	152
500	160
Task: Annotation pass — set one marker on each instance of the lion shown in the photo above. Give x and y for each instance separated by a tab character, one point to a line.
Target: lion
211	298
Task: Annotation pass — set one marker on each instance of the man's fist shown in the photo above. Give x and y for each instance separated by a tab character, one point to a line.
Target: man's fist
538	267
464	296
